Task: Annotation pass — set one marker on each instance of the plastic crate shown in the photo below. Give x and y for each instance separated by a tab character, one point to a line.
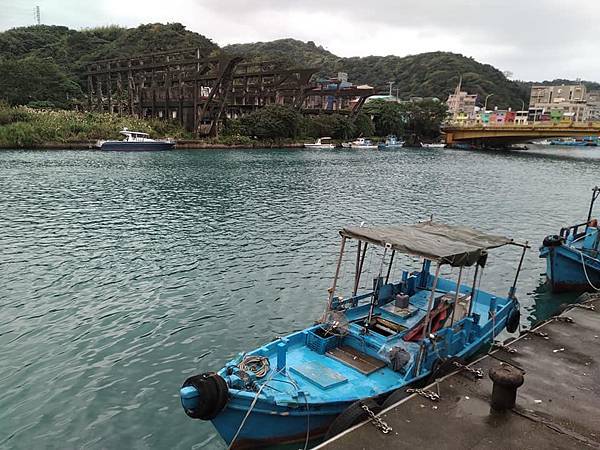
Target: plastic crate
320	344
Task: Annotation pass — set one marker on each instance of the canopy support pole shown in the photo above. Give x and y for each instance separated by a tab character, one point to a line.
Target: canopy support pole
457	293
362	261
595	193
337	273
473	290
357	270
376	292
427	321
387	277
513	289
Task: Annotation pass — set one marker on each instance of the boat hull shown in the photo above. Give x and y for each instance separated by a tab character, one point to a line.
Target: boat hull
565	270
273	425
270	424
123	146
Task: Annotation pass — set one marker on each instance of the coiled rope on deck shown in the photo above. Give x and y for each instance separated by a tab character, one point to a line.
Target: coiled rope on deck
258	365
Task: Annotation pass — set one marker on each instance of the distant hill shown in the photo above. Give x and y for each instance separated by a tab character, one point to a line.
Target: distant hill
433	74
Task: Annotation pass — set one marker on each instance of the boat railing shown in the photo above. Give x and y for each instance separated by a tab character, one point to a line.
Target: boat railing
573	230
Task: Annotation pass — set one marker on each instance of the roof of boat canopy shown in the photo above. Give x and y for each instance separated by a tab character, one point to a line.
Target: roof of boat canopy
446	244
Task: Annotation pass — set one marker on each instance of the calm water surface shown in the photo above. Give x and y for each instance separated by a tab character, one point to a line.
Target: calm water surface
122	273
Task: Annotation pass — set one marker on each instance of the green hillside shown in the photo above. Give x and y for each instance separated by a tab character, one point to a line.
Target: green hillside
44	64
432	74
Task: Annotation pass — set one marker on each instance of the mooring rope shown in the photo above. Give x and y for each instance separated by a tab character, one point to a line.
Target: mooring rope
585	270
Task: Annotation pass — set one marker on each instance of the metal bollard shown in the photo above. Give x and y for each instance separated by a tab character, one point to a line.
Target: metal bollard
507	379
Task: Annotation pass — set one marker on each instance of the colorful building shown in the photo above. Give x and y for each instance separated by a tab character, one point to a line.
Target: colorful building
461	104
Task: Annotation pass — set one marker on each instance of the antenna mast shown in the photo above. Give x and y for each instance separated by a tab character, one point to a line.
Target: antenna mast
36	15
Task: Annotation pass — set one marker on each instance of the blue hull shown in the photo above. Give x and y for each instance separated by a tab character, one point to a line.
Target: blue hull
565	270
136	146
372	344
271	424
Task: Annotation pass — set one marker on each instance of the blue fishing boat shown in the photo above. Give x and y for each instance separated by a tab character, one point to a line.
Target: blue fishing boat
572	256
391	142
588	141
136	141
368	347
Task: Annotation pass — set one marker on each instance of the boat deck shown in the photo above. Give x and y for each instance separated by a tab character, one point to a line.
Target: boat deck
557	406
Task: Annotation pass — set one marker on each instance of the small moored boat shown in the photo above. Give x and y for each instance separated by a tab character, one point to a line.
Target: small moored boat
368	347
433	145
363	144
324	142
136	141
573	255
391	142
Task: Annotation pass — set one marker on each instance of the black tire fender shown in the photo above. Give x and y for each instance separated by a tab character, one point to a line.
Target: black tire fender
513	321
443	367
553	240
213	394
395	397
351	416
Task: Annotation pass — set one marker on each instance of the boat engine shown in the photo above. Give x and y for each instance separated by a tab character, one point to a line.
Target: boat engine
204	396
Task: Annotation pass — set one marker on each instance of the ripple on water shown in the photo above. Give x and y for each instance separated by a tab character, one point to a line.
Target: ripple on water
125	273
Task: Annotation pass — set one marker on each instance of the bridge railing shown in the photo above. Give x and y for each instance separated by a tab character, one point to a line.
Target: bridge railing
527	125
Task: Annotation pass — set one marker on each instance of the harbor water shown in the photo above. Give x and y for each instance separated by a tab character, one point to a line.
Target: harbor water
125	273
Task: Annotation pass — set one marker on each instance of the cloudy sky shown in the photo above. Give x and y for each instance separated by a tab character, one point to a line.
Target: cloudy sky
533	39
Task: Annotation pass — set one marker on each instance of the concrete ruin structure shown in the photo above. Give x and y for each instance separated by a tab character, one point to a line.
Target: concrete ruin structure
200	91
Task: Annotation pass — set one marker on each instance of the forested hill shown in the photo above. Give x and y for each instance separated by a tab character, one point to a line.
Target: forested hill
424	75
45	63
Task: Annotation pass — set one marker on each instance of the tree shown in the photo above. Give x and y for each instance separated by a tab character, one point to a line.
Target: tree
388	117
424	118
336	126
272	122
364	125
36	79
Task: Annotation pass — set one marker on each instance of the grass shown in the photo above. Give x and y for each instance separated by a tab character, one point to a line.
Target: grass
26	127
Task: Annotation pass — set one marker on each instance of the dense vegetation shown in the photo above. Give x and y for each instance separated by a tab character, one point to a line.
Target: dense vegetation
43	67
416	121
25	51
28	127
67	51
434	74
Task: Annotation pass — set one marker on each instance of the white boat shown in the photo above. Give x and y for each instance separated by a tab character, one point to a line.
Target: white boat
136	141
363	143
391	142
434	145
324	142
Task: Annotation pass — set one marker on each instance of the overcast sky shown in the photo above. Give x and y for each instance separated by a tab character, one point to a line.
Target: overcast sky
534	39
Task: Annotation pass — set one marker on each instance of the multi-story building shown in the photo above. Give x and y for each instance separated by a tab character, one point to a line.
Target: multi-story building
565	100
461	105
593	105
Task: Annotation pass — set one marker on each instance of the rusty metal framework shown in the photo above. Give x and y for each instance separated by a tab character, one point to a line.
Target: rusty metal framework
199	90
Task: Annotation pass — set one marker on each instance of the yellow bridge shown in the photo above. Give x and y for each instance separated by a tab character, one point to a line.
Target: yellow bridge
513	133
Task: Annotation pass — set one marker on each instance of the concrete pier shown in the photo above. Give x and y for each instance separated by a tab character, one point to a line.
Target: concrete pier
557	407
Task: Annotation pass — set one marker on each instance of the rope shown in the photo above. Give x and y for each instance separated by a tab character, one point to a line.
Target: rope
259	365
251	408
307	421
581	255
585	271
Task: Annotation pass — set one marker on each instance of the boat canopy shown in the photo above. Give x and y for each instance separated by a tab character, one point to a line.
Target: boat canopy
126	132
446	244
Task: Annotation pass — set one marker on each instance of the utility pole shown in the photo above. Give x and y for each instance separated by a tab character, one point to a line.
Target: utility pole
390	83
